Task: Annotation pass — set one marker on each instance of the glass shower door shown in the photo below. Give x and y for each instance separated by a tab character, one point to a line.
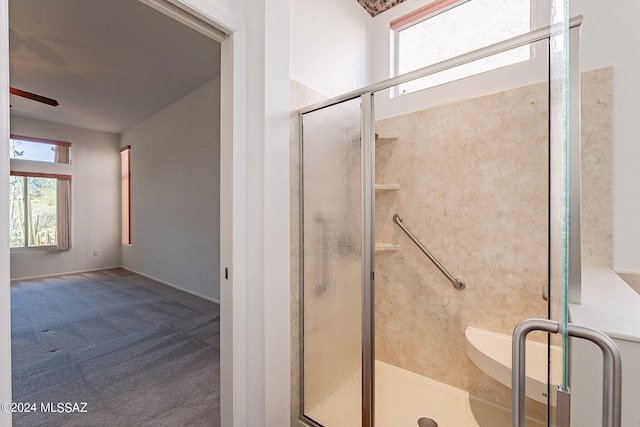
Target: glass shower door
332	266
564	203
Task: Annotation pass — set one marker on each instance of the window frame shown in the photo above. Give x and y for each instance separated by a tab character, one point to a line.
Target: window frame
424	13
43	141
58	170
125	194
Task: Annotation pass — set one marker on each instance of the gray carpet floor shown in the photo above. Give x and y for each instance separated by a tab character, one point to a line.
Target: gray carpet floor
138	352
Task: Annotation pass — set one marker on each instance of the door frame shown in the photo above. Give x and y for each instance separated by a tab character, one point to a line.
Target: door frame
234	394
234	359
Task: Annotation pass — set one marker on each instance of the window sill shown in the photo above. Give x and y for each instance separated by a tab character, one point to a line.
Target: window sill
34	249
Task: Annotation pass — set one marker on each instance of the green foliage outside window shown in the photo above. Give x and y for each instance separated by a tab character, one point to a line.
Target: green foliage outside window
32	221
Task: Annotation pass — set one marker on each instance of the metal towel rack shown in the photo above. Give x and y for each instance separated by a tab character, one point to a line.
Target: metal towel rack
459	284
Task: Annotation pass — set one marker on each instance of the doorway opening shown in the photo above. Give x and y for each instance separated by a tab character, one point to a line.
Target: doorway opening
44	46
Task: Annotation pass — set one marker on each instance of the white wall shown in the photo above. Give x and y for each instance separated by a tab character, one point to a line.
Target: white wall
329	45
610	36
95	202
586	382
5	297
175	181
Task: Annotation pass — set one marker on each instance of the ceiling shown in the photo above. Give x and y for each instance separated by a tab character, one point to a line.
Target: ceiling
376	7
109	63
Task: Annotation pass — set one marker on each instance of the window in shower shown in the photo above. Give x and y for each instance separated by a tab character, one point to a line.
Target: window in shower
445	29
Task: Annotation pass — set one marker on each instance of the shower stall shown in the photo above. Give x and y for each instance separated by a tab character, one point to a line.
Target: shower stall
427	236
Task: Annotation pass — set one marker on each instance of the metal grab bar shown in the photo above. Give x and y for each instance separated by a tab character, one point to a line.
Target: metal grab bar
459	284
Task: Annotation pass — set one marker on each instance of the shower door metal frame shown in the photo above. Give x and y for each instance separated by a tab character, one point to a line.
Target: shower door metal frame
368	200
368	259
494	49
367	134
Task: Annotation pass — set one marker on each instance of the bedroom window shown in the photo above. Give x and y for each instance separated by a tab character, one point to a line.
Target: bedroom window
125	173
38	150
35	216
444	29
39	194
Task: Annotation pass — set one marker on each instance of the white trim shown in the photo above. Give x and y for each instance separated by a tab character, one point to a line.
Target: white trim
211	14
186	18
124	268
234	397
34	166
276	225
168	284
5	296
17	279
27	249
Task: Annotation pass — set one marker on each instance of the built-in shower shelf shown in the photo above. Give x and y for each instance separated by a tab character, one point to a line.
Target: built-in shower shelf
383	188
386	247
382	139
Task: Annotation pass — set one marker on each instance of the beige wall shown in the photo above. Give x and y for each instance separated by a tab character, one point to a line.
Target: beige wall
597	167
473	187
632	279
473	179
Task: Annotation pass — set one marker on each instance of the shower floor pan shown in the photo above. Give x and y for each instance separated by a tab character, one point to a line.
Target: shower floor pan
403	397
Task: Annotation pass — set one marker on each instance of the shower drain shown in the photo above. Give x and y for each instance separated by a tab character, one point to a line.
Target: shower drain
427	422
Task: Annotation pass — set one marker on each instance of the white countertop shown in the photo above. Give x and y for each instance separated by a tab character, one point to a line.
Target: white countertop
609	304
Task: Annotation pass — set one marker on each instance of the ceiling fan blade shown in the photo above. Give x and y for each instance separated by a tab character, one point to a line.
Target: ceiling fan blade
33	96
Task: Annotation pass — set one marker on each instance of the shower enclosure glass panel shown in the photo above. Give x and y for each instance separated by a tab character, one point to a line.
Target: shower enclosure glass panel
332	265
565	200
481	181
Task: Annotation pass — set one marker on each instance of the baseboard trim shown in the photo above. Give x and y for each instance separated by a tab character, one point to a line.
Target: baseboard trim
125	268
148	276
63	273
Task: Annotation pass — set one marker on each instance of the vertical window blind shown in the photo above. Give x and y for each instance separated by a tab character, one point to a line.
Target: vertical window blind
125	170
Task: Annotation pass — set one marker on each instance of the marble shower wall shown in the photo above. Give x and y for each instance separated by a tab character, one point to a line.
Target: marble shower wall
597	167
473	187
